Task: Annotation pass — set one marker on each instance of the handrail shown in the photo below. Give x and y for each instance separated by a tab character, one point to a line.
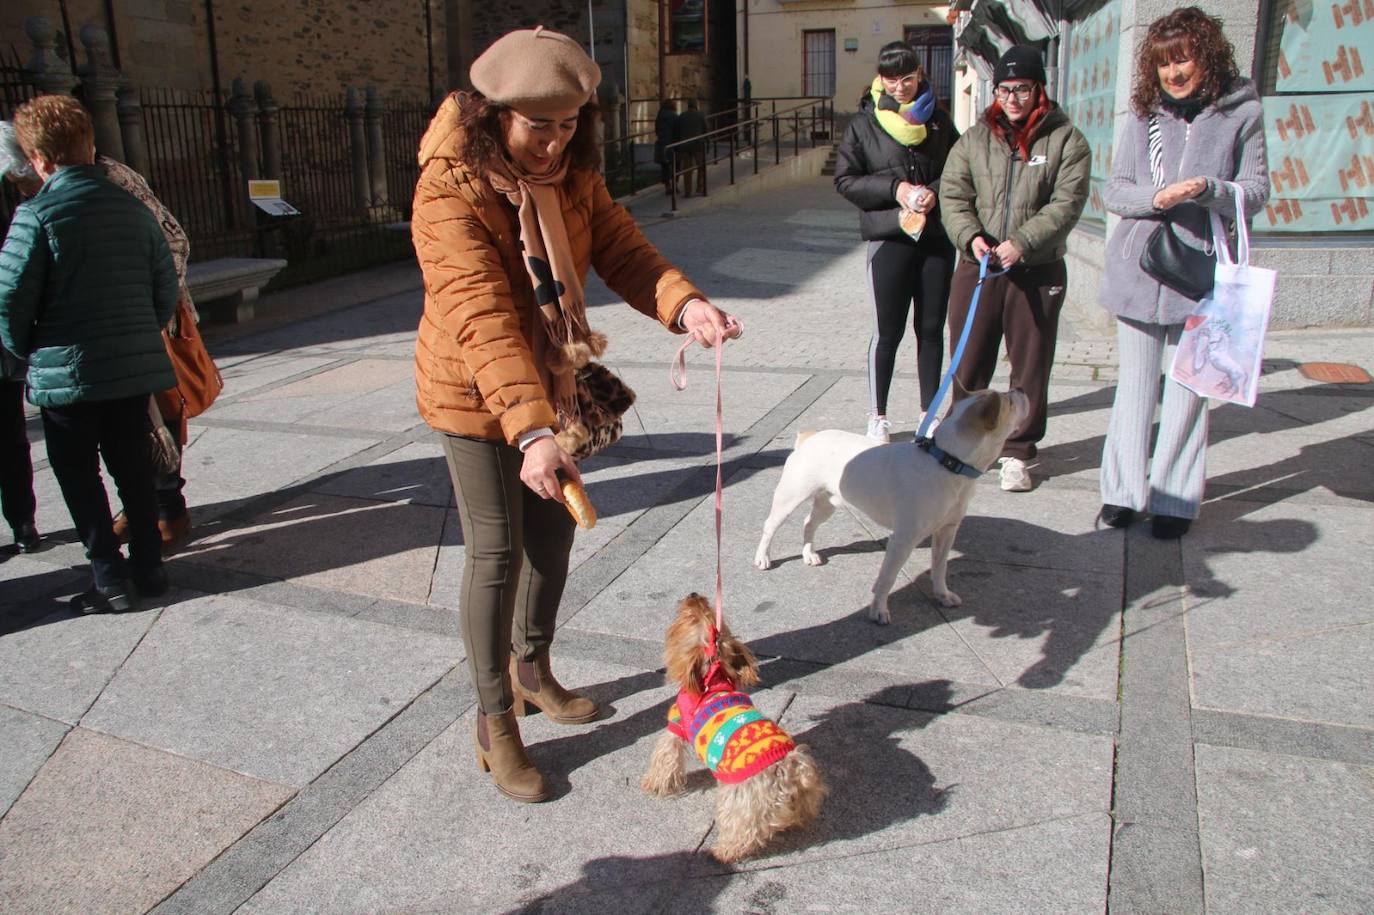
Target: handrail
741	134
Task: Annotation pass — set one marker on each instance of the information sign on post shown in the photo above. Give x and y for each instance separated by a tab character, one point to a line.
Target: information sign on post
266	196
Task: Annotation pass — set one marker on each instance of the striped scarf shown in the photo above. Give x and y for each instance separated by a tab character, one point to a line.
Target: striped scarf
904	123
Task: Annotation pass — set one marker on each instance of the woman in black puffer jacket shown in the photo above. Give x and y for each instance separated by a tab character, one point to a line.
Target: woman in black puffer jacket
889	166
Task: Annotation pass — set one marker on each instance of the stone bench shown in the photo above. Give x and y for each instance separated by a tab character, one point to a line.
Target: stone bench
227	289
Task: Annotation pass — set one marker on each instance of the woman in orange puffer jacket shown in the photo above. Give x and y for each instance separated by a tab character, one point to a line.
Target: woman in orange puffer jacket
510	212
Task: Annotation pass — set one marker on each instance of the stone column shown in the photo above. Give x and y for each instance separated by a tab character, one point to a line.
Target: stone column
267	129
49	72
611	102
357	150
376	150
129	104
99	80
242	108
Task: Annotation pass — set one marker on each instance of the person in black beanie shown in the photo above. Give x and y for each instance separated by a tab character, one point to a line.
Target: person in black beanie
1012	190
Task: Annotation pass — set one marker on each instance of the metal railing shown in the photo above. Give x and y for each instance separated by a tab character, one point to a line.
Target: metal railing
756	126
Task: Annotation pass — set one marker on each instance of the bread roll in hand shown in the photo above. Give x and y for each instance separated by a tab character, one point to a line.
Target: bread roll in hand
579	506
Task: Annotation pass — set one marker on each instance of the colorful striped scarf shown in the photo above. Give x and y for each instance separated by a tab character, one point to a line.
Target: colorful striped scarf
904	123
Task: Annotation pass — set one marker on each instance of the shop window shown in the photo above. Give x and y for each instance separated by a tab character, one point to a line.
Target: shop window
687	26
1317	79
1088	93
934	47
818	63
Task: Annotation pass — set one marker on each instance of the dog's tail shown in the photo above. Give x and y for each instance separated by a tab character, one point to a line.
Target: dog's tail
802	436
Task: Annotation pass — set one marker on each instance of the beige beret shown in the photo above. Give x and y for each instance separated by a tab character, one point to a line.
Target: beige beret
536	72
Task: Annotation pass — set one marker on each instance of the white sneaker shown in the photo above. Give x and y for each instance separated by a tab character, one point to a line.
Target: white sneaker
879	429
1014	475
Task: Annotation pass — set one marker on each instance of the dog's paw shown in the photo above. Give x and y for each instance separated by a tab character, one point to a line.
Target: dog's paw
878	613
811	557
762	562
949	599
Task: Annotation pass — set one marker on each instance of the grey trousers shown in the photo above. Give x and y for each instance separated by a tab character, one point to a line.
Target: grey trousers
1172	482
517	547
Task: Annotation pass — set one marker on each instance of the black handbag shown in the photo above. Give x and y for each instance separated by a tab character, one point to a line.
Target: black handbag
1166	257
1177	265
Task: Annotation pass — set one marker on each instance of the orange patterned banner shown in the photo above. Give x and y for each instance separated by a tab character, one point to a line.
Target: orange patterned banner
1321	163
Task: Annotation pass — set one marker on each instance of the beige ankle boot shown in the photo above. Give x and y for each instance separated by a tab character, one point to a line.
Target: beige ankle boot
500	752
533	684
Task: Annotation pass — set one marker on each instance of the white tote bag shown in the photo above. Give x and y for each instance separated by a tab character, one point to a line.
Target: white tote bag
1219	353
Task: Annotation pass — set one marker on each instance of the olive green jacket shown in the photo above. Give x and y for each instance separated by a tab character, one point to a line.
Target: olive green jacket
1034	203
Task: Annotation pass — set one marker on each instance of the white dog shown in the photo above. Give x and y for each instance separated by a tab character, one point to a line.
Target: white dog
911	491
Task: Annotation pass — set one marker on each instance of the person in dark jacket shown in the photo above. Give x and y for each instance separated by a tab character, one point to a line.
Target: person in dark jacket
888	165
1209	127
87	283
18	503
690	125
665	132
1013	189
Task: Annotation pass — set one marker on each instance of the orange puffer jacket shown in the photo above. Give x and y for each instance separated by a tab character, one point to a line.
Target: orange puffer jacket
475	372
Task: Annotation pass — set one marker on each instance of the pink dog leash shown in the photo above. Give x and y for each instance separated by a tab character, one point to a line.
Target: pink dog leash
677	376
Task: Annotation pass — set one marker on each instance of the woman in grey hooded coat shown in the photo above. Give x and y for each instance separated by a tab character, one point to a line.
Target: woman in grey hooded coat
1210	131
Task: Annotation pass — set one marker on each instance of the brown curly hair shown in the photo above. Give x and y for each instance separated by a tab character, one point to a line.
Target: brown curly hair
1185	34
483	141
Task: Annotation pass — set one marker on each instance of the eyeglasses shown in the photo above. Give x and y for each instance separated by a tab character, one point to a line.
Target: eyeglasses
1022	93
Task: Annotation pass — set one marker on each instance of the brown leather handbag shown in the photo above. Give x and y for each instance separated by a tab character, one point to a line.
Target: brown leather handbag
198	380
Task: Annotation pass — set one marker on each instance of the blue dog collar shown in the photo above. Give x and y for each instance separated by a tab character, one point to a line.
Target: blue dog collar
947	460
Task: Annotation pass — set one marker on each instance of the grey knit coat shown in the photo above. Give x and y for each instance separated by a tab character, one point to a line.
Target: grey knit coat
1225	142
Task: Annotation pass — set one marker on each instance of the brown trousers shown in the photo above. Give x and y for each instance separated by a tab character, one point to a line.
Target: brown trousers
517	547
1023	307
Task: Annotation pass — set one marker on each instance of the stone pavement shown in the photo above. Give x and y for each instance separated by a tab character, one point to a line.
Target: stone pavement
1108	723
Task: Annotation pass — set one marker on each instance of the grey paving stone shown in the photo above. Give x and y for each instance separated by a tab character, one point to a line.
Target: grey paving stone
111	826
423	839
27	578
26	742
227	467
1266	555
248	373
382	549
233	877
279	695
1318	676
1281	834
1056	866
58	666
415	473
598	769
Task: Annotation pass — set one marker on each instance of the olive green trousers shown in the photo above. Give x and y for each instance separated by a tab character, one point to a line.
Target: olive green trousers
517	547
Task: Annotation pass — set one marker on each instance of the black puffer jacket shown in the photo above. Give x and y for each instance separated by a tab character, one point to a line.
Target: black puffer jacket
870	165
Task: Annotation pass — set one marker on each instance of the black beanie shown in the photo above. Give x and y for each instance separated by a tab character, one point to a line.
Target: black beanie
1022	61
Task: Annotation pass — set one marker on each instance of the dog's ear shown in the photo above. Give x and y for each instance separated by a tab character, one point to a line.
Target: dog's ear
990	411
960	385
684	647
736	657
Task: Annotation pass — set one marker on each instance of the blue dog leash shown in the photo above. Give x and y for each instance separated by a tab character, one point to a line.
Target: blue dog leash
924	442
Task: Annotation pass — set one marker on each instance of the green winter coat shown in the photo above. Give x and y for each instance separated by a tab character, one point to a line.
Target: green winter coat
1036	203
87	283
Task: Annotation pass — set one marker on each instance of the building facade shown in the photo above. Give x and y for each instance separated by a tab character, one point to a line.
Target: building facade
829	48
1309	62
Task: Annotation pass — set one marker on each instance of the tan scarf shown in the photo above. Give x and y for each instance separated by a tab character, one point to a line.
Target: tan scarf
567	343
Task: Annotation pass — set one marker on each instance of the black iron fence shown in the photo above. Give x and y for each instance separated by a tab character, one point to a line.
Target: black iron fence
351	181
748	132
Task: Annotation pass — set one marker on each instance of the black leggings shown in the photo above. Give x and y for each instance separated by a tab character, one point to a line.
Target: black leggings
902	272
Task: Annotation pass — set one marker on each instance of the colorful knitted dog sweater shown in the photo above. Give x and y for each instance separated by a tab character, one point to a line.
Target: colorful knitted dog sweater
730	736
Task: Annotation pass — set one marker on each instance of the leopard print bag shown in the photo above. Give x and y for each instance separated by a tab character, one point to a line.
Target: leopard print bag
602	399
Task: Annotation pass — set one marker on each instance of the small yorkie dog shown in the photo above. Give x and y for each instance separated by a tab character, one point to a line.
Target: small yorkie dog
766	782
